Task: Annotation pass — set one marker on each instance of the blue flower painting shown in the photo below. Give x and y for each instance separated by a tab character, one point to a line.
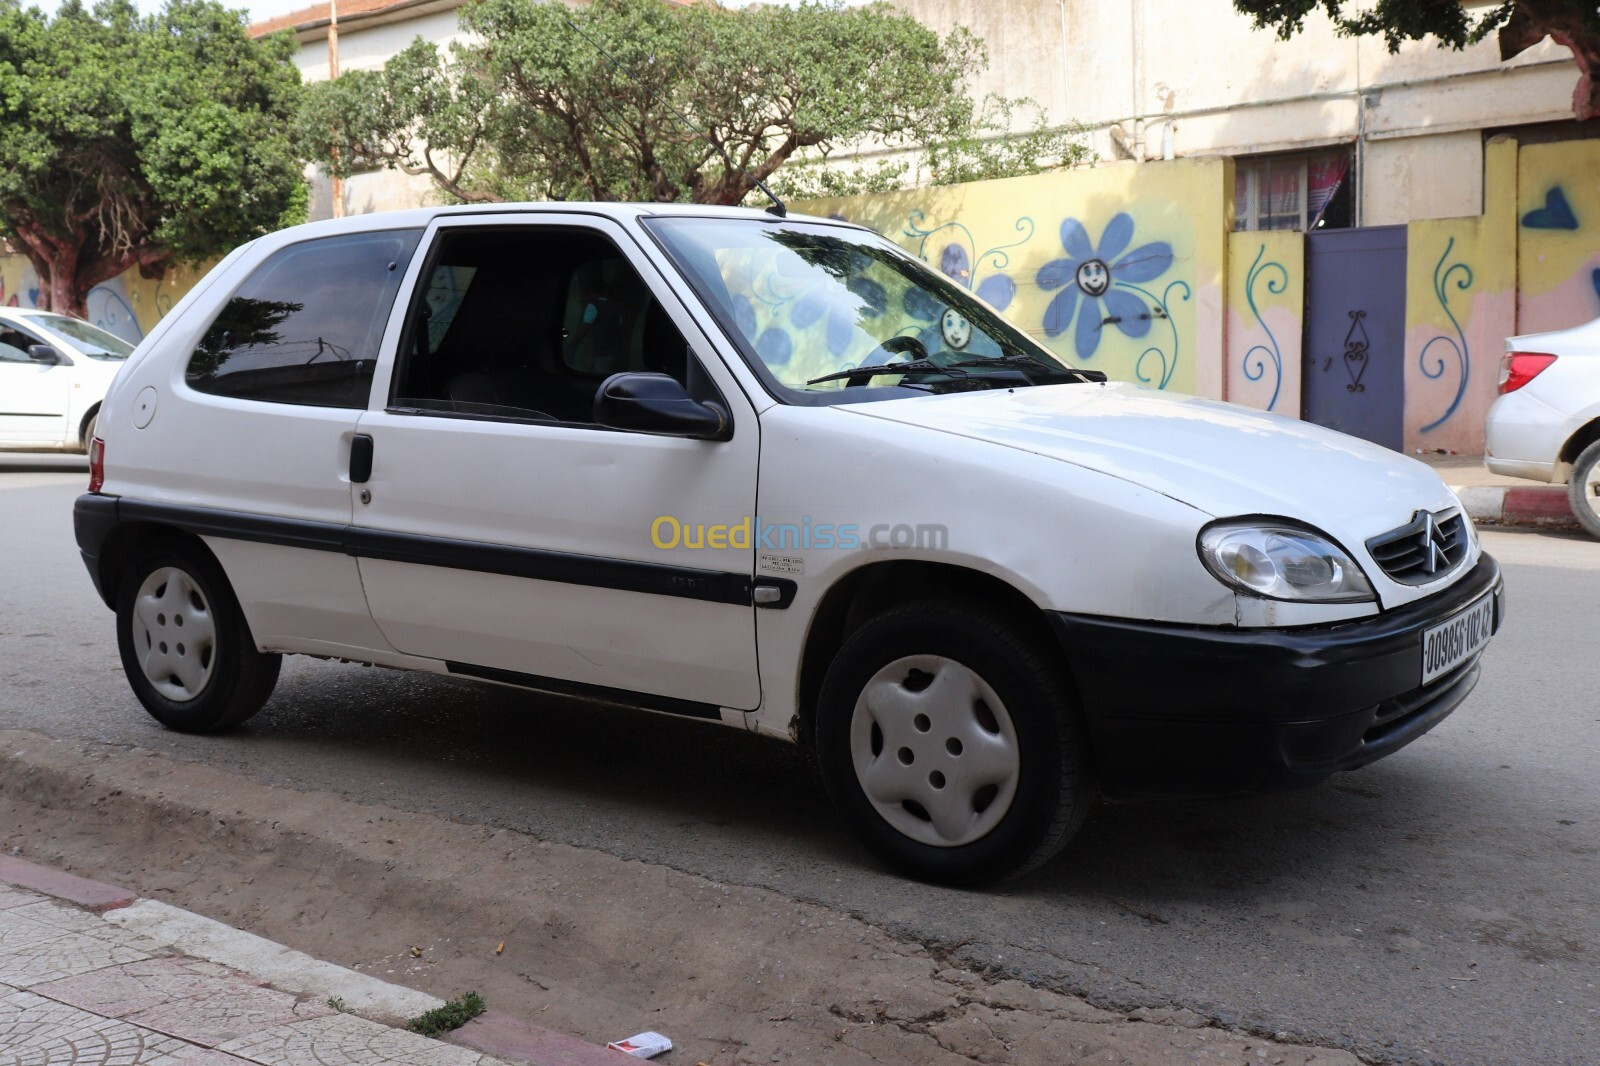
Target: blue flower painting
996	289
1089	279
861	296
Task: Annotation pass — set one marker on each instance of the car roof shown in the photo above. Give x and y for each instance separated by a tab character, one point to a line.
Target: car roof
621	212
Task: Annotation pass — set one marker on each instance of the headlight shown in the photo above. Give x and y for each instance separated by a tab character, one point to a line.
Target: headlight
1281	561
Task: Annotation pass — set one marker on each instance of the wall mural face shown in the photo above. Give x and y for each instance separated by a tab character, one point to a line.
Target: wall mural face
1114	269
1104	278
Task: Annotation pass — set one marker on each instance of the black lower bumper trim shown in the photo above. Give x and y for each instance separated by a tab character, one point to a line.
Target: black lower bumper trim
1187	709
94	520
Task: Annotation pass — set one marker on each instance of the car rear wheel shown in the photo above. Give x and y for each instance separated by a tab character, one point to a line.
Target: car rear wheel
1583	490
948	737
185	646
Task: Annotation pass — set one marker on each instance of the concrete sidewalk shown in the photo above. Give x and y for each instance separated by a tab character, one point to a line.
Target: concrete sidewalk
91	975
1494	500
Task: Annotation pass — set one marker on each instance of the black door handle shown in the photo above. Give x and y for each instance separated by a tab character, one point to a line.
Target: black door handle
360	459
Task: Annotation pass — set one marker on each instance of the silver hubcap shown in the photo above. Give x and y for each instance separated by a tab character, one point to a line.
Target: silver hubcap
1591	489
174	634
935	751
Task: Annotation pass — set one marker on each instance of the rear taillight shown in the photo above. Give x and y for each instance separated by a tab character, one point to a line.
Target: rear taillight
1519	368
97	464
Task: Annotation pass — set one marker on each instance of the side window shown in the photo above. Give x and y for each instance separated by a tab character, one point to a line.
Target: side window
14	342
526	322
304	327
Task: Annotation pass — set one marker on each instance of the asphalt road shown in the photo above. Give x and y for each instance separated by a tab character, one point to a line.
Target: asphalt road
1443	904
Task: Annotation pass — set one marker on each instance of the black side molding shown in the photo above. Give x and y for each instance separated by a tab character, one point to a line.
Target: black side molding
623	697
96	517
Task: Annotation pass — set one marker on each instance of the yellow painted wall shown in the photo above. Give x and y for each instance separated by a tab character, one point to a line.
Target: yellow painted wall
127	305
1461	285
1558	253
1266	320
1029	245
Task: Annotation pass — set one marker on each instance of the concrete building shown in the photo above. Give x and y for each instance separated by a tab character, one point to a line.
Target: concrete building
342	35
1321	127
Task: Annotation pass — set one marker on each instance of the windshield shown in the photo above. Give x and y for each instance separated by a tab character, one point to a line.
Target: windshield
92	341
811	305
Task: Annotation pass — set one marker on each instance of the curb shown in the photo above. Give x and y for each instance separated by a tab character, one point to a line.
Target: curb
1538	507
200	937
94	895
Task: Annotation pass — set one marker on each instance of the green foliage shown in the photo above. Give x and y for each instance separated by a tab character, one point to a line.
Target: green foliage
453	1015
134	140
1397	20
537	111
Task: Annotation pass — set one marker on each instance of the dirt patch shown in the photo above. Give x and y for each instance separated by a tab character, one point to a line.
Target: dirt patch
572	939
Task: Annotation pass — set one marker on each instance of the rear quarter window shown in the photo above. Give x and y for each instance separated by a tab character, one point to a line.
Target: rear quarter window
305	326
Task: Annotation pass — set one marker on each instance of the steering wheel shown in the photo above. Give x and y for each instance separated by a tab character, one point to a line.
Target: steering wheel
896	345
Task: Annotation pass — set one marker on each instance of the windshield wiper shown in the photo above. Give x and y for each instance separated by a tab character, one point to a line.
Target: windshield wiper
911	366
1019	361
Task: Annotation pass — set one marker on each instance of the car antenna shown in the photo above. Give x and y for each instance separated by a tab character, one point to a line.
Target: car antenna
777	207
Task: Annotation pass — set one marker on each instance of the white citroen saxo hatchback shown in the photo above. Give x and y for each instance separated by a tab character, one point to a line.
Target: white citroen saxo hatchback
773	473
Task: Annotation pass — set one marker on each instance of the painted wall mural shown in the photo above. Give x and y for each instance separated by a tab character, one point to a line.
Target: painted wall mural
1266	310
1460	306
1558	246
1116	269
1454	357
127	305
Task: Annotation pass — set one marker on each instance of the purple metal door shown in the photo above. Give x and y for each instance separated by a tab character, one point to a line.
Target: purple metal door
1354	372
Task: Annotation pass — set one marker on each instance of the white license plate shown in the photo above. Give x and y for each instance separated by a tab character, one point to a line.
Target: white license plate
1450	643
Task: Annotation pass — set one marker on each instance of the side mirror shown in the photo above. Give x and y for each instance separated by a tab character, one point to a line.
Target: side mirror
43	353
657	403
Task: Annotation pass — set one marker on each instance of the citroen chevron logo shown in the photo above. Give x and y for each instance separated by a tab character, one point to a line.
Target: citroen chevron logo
1432	545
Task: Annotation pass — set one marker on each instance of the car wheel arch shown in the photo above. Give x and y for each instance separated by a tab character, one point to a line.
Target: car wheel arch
1585	435
129	540
88	421
870	590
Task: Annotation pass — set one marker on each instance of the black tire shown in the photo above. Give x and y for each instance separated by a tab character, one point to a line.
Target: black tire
86	438
1583	489
214	676
1053	786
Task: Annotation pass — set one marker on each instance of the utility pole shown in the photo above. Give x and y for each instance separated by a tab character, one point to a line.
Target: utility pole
333	72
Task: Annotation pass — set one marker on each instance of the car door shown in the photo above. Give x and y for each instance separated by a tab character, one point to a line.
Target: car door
254	452
33	395
506	533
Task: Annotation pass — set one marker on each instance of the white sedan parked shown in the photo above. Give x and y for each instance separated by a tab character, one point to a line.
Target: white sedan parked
1546	424
54	372
777	474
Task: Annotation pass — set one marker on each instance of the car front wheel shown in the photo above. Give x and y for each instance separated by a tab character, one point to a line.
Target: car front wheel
185	646
1583	491
948	737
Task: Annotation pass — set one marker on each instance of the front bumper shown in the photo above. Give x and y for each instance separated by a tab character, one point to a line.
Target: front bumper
1186	710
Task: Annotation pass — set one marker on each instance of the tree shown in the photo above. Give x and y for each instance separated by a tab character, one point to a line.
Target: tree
134	140
648	101
1521	24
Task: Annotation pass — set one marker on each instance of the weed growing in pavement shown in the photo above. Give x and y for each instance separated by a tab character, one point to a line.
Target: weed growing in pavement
338	1004
453	1015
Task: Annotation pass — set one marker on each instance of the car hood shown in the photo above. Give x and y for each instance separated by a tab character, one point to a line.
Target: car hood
1222	459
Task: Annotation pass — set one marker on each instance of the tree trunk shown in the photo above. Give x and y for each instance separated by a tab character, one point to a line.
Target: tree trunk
1567	24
